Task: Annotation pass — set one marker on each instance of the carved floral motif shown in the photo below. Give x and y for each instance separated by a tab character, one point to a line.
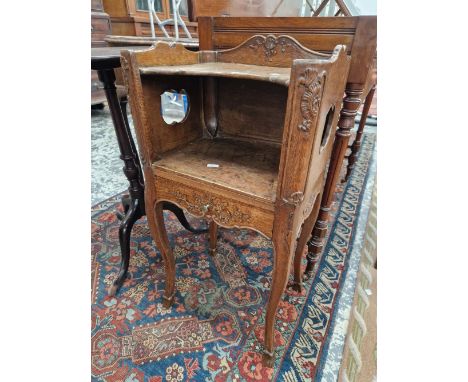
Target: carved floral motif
270	45
203	204
312	81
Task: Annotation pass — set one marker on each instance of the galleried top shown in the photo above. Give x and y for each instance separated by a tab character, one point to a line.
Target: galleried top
264	58
272	51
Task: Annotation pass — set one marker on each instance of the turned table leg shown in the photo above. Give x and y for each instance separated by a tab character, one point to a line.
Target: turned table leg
301	243
351	104
123	106
357	141
134	206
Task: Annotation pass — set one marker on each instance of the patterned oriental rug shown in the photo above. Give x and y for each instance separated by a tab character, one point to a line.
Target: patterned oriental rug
214	330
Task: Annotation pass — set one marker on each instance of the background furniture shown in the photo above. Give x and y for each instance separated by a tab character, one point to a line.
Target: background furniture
131	17
104	61
270	8
270	176
368	93
100	24
100	27
235	8
176	20
321	34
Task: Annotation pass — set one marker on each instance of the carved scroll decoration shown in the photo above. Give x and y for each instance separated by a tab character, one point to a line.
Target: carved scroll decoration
203	204
313	82
270	45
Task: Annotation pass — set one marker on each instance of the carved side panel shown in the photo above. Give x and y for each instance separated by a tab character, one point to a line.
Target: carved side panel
313	82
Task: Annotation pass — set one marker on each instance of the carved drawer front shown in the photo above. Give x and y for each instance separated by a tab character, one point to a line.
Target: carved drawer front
220	207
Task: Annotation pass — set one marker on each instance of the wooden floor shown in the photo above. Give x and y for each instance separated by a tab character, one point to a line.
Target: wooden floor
250	168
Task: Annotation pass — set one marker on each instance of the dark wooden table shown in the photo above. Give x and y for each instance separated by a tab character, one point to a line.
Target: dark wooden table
104	60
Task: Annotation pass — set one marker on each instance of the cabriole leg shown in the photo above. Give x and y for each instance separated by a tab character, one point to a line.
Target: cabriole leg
282	243
159	234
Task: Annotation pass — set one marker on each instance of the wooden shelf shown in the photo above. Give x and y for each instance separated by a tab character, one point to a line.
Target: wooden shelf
247	167
272	74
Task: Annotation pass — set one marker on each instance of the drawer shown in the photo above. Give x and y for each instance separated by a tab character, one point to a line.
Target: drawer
210	202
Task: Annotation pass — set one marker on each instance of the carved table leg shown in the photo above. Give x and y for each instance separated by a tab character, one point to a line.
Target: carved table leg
159	233
213	237
348	113
357	141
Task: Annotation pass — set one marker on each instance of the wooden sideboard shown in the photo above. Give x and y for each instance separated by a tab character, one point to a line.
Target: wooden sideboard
100	24
249	152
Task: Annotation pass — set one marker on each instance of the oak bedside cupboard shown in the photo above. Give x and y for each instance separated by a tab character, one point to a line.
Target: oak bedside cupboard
249	152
